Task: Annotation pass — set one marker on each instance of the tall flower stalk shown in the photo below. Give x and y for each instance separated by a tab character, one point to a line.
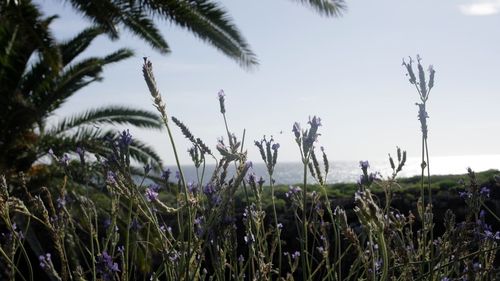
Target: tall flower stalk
305	139
423	89
269	152
147	71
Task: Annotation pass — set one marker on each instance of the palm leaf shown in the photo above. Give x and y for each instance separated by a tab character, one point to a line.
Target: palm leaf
209	22
326	7
76	77
142	26
110	115
76	45
94	141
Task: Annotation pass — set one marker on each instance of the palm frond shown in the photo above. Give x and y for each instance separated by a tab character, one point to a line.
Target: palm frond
76	77
110	115
142	26
329	8
145	154
93	140
209	22
76	45
104	13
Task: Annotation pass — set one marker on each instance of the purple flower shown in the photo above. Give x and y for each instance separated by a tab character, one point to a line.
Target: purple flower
106	267
192	187
241	258
111	178
465	194
261	181
485	191
221	97
166	174
45	261
292	190
315	121
121	249
296	255
296	130
61	202
174	256
209	189
147	169
151	195
125	139
81	153
364	165
64	161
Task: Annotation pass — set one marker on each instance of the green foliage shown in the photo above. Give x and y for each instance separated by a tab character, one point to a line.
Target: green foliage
37	76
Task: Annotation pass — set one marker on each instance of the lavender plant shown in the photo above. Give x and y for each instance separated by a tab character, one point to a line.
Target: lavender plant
219	227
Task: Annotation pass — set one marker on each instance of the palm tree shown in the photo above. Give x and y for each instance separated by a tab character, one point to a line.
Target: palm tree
206	19
38	75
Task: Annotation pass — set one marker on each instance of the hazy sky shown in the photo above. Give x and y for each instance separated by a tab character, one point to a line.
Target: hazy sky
346	70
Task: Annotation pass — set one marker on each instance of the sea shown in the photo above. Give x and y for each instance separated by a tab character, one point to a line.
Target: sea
350	171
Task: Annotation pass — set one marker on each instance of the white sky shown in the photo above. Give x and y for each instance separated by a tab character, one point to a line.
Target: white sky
346	70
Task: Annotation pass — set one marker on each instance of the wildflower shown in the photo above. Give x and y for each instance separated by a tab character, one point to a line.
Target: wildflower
465	194
279	225
249	239
121	249
261	181
241	258
147	169
151	194
485	191
221	97
17	232
174	256
209	189
45	261
431	76
166	174
106	267
296	255
81	153
125	139
320	249
364	165
296	130
61	202
315	121
155	187
292	190
409	69
111	178
198	224
192	187
64	161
